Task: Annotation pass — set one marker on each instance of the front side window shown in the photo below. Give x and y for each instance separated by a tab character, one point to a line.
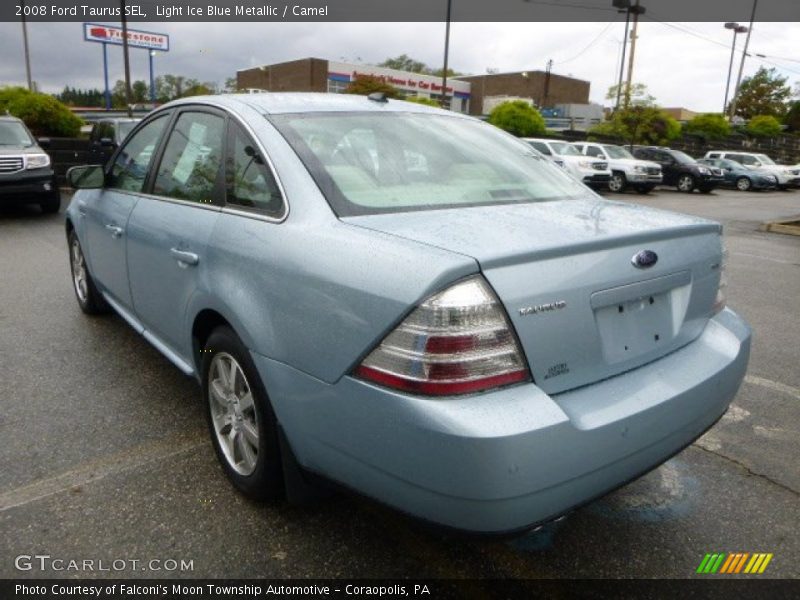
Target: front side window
248	180
594	151
541	147
765	160
564	149
618	152
132	163
190	167
368	163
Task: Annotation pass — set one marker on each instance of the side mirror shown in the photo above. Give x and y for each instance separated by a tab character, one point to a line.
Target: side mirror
729	169
44	142
90	177
107	142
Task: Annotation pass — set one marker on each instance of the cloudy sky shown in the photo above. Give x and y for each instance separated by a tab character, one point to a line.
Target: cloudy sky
683	64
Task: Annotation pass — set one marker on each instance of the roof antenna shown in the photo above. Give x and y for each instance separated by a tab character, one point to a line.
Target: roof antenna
378	97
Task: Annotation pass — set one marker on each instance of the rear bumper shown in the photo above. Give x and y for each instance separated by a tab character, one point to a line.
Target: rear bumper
512	458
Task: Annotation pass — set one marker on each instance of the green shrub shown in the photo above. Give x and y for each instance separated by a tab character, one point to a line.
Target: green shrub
422	100
43	114
709	125
518	117
764	126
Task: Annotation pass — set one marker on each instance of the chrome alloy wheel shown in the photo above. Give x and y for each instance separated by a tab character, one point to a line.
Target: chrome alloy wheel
79	274
233	413
686	183
617	183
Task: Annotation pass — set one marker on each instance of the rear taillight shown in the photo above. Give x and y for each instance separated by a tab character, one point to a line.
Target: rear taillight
456	342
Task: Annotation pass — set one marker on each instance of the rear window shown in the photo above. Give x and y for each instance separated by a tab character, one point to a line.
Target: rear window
370	163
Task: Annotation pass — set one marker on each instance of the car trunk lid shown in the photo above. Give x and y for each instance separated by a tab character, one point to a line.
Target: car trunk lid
564	272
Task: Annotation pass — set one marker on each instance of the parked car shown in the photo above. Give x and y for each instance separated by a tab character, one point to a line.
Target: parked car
681	170
406	301
26	174
787	176
106	136
740	177
626	171
594	173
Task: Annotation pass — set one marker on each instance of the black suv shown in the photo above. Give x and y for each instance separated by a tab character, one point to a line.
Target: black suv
106	135
681	170
26	174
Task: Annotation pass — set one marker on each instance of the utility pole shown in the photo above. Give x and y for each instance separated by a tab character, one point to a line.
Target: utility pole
741	65
446	54
636	10
737	29
128	95
25	44
627	7
547	82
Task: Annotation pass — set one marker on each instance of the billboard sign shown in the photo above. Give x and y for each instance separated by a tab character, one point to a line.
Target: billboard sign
106	34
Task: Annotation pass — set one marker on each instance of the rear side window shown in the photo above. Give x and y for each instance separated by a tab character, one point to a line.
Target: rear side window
594	151
541	147
190	167
133	161
249	182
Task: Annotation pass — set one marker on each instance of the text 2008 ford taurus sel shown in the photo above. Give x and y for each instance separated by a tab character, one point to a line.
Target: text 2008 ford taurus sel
408	302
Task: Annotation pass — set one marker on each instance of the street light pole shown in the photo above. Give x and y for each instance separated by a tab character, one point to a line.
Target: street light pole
126	57
741	64
637	10
446	53
152	78
737	29
25	44
624	48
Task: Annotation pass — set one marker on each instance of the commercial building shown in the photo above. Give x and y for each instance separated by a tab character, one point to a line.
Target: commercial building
680	114
543	89
320	75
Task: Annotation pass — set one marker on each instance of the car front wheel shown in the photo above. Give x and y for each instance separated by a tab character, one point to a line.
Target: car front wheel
617	183
743	184
89	298
243	427
686	183
52	203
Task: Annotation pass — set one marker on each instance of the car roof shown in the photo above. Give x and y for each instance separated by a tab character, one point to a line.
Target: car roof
11	118
293	102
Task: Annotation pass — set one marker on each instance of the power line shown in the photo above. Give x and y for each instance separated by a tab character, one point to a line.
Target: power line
589	45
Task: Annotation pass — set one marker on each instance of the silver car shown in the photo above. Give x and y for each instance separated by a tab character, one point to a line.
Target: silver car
408	302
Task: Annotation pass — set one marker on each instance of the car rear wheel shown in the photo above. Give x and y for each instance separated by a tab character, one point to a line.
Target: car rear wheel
685	183
617	183
89	298
743	184
243	427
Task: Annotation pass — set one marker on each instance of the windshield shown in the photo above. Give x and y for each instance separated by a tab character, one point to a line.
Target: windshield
617	152
682	157
765	160
564	149
13	133
369	163
124	128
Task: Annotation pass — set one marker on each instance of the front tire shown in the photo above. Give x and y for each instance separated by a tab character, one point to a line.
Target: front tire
617	183
686	183
52	203
743	184
243	427
90	300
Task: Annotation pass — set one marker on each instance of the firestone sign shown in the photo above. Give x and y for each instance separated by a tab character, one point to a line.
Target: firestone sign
106	34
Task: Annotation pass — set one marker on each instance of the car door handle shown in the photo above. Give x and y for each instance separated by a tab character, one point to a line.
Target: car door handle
186	258
116	231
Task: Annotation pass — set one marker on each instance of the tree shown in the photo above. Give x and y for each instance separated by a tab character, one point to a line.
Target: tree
140	92
406	63
231	85
764	126
792	117
195	88
709	126
422	100
765	93
518	118
367	84
639	96
43	114
639	125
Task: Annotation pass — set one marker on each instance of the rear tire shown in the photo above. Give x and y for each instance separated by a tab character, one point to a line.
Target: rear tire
686	183
617	183
89	298
743	184
241	422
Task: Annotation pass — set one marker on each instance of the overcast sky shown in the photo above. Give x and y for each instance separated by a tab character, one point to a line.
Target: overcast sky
683	64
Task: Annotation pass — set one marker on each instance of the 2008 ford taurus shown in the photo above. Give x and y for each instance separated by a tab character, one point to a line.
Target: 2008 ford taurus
408	302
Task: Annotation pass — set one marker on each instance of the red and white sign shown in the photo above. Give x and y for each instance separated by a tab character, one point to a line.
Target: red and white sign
106	34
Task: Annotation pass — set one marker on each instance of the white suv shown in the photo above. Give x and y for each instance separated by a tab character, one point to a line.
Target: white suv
594	173
787	176
626	171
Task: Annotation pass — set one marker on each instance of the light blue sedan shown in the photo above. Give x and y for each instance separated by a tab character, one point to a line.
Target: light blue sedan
408	302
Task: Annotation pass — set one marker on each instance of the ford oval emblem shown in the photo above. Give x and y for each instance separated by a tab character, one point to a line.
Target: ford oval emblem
644	259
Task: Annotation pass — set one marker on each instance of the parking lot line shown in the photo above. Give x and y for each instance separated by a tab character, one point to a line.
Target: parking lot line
95	470
775	386
776	260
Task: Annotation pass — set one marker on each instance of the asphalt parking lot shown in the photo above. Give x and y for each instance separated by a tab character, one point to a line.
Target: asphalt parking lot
105	455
